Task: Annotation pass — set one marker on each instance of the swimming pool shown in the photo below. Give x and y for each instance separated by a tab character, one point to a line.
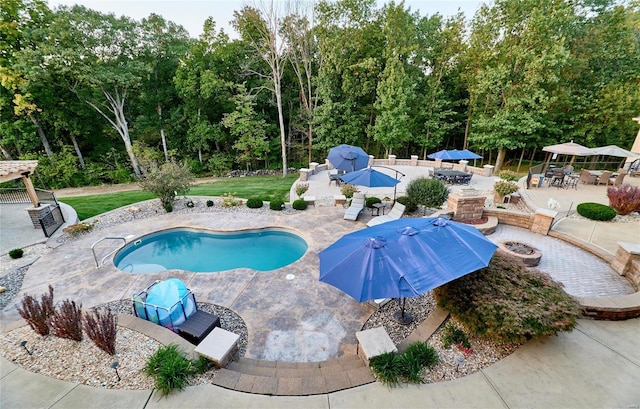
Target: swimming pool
202	251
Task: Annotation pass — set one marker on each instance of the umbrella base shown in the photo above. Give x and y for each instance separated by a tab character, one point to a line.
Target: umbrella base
404	319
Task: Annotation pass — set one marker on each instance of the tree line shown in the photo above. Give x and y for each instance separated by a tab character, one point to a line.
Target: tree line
96	97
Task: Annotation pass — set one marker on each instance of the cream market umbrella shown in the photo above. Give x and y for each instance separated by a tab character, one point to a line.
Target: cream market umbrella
570	148
614	150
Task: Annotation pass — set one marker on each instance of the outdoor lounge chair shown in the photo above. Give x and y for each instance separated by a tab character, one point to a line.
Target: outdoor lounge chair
604	179
357	206
396	212
587	178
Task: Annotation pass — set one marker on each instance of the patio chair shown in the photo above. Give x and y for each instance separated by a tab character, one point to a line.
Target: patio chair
356	207
396	212
587	178
618	180
604	179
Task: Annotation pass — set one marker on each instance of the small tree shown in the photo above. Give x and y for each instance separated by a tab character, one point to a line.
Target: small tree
166	181
430	193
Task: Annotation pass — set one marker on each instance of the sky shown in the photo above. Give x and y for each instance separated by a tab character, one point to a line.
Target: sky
191	14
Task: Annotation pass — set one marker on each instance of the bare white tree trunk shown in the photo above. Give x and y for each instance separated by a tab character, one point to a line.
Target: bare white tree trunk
162	135
74	141
119	122
41	134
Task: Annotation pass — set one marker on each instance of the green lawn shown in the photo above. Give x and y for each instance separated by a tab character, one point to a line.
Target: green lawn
264	187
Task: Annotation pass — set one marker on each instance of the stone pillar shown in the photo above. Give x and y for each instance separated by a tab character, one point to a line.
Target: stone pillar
329	165
304	174
465	207
438	163
392	160
463	165
313	166
414	160
542	221
627	254
36	213
488	170
371	158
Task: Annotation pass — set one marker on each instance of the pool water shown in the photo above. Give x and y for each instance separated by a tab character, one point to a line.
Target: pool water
202	251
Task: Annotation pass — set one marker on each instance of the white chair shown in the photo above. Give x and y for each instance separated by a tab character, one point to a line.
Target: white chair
396	212
356	207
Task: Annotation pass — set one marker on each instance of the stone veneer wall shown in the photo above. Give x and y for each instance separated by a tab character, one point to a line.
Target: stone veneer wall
511	218
466	208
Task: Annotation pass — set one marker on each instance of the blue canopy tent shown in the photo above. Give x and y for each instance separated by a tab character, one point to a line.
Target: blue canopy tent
348	158
403	258
454	154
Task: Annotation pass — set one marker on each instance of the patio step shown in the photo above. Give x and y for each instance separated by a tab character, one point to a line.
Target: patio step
294	378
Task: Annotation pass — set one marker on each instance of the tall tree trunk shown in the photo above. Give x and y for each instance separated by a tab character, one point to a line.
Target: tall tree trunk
500	159
200	155
43	137
78	152
520	160
162	136
283	141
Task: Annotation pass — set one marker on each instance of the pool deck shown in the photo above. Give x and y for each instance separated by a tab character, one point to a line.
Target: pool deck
303	320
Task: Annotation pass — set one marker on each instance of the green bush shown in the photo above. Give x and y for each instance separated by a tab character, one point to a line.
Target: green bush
370	201
276	204
508	175
299	204
171	369
424	353
254	203
166	181
348	190
410	205
387	367
506	302
452	335
209	203
504	188
168	207
596	211
16	253
431	193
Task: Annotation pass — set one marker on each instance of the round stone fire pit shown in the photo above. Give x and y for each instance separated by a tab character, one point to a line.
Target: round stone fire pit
529	255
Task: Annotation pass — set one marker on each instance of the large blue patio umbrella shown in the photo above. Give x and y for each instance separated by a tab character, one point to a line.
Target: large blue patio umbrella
348	158
454	154
403	258
371	178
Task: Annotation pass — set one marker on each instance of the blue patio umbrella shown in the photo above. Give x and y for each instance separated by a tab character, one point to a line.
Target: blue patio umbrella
348	158
403	258
369	177
454	154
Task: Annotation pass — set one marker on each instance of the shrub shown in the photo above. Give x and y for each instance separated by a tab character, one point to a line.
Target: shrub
190	204
66	321
424	353
209	203
79	228
101	328
229	200
410	205
254	203
301	188
166	181
370	201
348	190
596	211
276	204
452	335
299	204
387	367
504	188
171	369
168	207
431	193
624	199
508	175
507	302
16	253
37	313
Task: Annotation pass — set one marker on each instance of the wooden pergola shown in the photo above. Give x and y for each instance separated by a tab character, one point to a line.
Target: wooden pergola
20	169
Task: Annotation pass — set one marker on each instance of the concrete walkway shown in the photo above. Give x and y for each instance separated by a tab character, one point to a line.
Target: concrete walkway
595	366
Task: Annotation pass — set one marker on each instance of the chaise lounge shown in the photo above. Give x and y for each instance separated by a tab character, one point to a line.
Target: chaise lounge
396	212
357	206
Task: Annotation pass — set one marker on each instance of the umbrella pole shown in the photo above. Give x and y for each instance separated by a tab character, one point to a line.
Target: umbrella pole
403	317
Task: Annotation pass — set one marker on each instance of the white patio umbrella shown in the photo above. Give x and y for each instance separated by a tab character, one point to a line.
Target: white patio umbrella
614	150
570	148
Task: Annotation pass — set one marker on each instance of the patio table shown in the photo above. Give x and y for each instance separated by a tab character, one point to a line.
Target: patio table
452	176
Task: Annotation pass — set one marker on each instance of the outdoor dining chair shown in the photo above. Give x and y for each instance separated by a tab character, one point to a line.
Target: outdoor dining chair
618	179
587	178
604	179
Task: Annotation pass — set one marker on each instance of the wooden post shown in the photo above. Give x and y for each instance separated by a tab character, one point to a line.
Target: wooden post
31	191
